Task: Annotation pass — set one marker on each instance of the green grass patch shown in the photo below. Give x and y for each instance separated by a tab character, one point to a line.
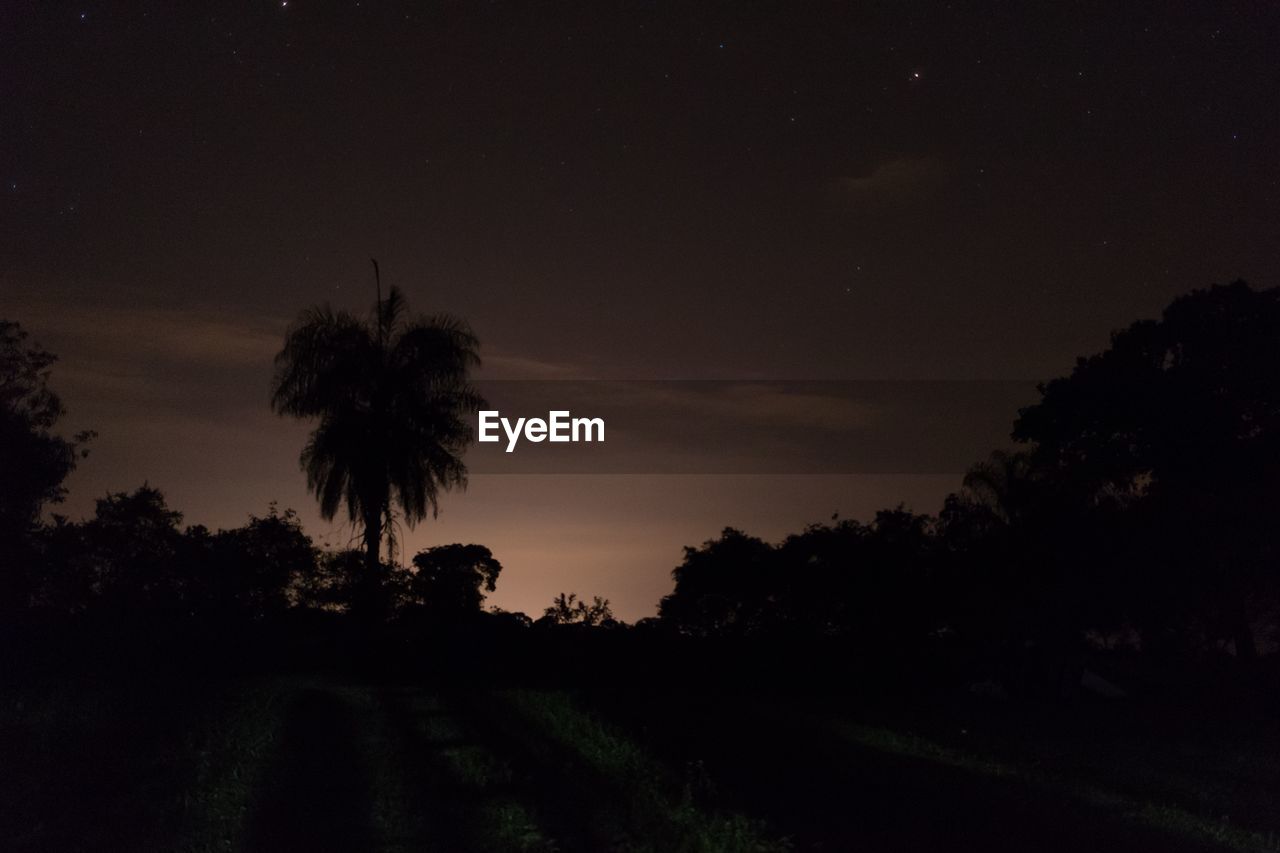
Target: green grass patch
228	757
459	791
143	766
642	803
1161	815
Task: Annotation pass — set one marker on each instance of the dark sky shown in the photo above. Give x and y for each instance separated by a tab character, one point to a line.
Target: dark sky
635	190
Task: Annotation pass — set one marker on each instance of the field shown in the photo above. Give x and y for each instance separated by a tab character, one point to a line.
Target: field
312	763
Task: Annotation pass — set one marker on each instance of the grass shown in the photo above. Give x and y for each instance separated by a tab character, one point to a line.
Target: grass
472	793
141	766
200	768
1161	815
229	757
880	775
644	804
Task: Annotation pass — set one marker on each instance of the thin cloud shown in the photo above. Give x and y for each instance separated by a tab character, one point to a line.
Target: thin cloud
128	334
742	403
499	366
894	180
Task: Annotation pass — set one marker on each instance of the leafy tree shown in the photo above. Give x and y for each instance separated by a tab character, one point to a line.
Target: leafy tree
721	587
131	551
846	579
256	566
133	559
34	461
448	579
569	610
1004	485
391	396
334	584
1025	565
61	579
1177	426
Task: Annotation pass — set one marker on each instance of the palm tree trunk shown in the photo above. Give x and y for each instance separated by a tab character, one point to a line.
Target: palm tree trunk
372	541
366	603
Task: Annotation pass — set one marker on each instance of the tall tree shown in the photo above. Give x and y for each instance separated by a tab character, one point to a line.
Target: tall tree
34	461
1178	425
391	395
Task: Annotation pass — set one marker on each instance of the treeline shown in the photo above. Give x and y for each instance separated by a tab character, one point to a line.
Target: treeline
132	586
134	561
1137	516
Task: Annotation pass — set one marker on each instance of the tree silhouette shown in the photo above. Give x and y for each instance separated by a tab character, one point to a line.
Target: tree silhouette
131	553
34	461
568	609
449	578
1177	427
864	582
391	395
1004	485
1029	567
255	566
722	587
338	582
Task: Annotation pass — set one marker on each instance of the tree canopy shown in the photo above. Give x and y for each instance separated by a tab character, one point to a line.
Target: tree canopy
34	461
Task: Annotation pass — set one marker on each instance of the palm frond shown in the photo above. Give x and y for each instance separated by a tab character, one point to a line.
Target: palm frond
325	362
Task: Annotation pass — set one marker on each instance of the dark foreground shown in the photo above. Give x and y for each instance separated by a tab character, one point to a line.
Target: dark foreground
320	764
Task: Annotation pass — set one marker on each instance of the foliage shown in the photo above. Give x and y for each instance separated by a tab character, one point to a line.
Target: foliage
638	800
844	579
1142	502
133	560
569	610
257	564
390	396
34	461
1175	430
1138	510
448	579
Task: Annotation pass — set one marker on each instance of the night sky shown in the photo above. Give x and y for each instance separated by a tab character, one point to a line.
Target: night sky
624	191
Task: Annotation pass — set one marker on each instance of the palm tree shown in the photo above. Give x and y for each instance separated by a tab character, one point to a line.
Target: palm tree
392	397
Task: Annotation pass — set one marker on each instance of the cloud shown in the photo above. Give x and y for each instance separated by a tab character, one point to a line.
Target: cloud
123	366
123	334
898	179
774	404
507	367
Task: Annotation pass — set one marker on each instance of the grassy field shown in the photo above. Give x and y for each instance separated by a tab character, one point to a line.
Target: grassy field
318	764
